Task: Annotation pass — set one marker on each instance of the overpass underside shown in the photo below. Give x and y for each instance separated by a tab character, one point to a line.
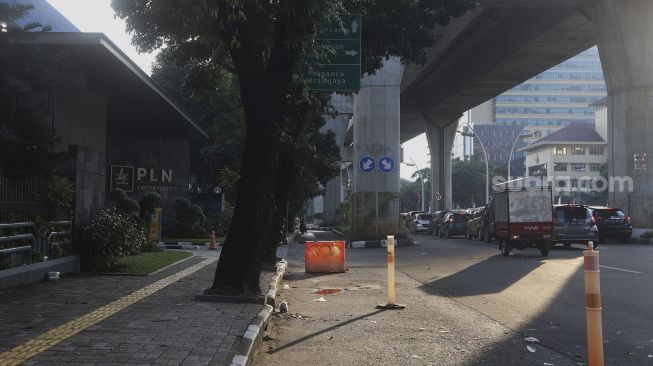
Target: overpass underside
492	49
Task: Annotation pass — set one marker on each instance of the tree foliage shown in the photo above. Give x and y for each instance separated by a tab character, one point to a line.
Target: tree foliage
265	44
26	140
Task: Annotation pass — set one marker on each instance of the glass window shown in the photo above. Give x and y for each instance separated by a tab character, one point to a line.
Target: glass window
596	150
578	150
578	167
595	167
559	151
560	167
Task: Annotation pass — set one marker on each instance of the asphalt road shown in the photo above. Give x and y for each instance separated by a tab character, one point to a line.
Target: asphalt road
536	296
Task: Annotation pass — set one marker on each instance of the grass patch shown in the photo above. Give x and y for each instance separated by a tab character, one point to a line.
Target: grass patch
149	262
219	239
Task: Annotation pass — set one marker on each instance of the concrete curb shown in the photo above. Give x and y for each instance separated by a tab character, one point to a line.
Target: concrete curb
270	298
645	241
252	338
379	243
254	334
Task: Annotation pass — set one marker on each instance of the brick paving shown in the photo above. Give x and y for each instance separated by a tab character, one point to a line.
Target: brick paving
166	328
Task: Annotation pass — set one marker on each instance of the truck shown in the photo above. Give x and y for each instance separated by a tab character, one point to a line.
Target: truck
523	218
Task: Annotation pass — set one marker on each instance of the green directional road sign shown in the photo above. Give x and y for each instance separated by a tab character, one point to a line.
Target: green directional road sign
338	66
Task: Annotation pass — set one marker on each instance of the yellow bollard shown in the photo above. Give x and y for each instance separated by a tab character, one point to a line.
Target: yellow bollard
391	277
213	243
593	306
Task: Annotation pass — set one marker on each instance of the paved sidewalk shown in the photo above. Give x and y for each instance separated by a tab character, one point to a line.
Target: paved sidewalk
344	328
126	320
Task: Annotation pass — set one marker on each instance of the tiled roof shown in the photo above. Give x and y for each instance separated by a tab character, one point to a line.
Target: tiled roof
573	133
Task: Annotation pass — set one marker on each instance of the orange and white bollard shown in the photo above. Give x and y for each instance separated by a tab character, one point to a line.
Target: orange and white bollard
213	245
391	277
593	306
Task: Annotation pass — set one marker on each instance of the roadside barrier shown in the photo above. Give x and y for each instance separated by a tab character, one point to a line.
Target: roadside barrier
324	256
391	277
593	306
213	244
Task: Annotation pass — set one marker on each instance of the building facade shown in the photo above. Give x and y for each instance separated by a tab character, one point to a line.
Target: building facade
572	158
559	97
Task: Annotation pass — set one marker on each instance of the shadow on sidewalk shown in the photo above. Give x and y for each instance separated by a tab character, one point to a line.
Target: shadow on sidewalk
326	330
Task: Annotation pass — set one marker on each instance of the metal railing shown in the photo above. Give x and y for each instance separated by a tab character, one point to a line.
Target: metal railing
56	242
19	255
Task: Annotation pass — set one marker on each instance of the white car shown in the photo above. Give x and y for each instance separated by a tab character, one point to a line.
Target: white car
421	223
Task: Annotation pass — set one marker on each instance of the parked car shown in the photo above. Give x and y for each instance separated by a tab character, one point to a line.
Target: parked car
434	227
421	223
486	231
453	223
410	216
474	224
574	224
612	223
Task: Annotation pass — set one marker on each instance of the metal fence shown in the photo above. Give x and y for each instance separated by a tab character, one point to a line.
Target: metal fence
31	230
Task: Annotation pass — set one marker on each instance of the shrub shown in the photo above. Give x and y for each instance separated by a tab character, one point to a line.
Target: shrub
149	202
124	203
110	236
647	235
189	219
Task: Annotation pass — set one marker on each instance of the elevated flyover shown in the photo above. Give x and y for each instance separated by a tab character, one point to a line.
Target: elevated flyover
490	50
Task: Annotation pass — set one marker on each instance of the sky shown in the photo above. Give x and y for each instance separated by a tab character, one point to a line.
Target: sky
98	16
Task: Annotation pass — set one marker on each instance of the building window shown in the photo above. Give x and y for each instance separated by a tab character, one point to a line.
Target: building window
595	167
537	133
560	167
578	150
577	167
559	151
574	183
596	150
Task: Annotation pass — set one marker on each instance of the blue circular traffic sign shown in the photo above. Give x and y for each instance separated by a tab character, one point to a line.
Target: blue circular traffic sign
366	164
386	164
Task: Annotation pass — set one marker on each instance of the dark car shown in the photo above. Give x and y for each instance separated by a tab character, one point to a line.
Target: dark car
612	223
474	224
454	223
486	231
574	224
434	227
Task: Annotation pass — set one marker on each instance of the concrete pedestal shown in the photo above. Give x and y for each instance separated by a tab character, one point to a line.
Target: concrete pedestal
375	194
625	35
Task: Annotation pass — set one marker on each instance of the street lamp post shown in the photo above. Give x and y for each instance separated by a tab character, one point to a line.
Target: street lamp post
421	178
487	165
513	150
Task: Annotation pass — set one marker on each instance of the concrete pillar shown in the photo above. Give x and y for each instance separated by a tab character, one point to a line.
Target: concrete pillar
375	195
440	140
333	196
625	35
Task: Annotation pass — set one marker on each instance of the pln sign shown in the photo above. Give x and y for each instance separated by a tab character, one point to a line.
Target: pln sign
131	178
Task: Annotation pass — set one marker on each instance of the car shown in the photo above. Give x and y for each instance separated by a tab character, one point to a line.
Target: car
612	223
410	216
453	223
486	226
574	224
474	224
434	227
421	223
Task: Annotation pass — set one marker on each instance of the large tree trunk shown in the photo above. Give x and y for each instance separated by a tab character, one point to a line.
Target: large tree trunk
282	196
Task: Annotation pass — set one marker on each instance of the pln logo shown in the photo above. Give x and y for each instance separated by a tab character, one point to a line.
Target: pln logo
122	177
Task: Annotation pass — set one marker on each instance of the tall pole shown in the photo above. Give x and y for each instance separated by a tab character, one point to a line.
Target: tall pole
511	152
421	178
